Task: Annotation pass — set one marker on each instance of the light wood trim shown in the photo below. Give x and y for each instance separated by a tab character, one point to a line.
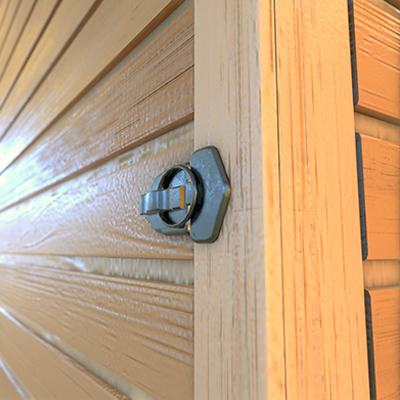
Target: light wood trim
149	96
377	128
144	329
239	349
66	23
9	388
325	338
99	218
109	35
381	273
383	328
23	13
377	46
381	165
45	371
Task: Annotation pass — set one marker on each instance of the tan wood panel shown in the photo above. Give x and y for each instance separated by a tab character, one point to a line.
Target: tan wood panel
99	218
383	328
377	47
66	23
239	349
381	273
9	389
113	31
9	15
46	372
141	330
3	10
377	128
150	95
381	167
23	13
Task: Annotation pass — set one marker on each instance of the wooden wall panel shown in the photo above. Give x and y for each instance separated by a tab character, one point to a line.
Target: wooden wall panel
98	218
66	23
381	164
381	273
16	29
377	46
45	371
9	15
395	3
9	389
150	95
383	329
141	330
113	31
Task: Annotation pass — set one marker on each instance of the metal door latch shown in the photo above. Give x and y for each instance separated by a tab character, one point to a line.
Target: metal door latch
190	198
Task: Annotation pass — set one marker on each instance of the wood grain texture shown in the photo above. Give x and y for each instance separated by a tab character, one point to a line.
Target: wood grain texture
141	330
45	371
8	18
66	23
381	164
239	349
377	128
98	218
325	338
110	34
377	44
395	3
149	96
383	328
381	273
23	13
9	388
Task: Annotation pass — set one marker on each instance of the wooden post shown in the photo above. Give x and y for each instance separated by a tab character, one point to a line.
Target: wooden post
279	309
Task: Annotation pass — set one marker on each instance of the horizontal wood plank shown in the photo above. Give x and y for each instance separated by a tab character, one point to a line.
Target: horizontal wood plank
66	23
99	218
41	14
381	168
9	388
110	34
381	273
150	95
377	53
16	29
383	330
46	372
141	330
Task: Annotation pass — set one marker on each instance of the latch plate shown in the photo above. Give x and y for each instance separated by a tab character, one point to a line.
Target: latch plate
190	198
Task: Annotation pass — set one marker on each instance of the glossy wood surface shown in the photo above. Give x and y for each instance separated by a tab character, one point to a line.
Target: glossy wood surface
16	29
98	218
68	20
109	35
325	338
239	349
381	163
37	22
149	96
383	319
46	372
141	330
377	44
9	389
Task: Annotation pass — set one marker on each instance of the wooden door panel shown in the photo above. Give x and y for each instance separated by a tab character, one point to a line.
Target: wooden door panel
110	34
377	59
153	94
141	330
383	330
381	170
67	21
99	218
45	371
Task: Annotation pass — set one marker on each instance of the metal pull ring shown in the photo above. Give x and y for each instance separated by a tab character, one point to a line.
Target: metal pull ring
165	199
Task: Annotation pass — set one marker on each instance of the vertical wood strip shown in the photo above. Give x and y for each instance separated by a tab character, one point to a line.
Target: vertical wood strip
325	335
238	290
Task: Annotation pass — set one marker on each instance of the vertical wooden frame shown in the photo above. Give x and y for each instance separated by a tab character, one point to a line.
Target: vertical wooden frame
279	309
